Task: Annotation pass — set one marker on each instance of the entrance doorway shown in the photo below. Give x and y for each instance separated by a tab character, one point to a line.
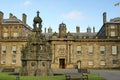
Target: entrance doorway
79	64
62	63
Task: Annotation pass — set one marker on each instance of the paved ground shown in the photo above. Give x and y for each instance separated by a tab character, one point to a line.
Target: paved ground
107	74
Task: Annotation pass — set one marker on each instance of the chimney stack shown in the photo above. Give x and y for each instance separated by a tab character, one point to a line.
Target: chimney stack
77	29
45	30
10	16
93	29
88	30
104	17
1	16
24	17
49	30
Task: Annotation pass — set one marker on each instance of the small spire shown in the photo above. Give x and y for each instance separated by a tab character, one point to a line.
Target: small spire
38	13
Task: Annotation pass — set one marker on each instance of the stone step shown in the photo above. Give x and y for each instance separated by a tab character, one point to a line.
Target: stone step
66	70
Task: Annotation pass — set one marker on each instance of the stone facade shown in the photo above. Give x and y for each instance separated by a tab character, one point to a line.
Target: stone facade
69	50
13	35
87	50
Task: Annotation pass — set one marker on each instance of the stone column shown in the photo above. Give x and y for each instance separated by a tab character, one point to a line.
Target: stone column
53	57
69	53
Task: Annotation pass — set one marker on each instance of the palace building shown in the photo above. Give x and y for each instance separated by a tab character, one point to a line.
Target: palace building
88	49
13	35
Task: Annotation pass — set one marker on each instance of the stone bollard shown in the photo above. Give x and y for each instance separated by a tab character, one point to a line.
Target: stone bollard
85	77
17	77
67	77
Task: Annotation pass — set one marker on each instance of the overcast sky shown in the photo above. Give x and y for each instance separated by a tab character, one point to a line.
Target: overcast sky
73	13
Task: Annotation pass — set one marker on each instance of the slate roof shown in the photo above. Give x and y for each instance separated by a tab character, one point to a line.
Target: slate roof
74	34
14	21
11	21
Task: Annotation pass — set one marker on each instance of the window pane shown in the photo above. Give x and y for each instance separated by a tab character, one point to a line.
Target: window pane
115	61
3	62
112	27
14	49
102	49
78	49
5	34
90	49
112	33
114	49
15	34
3	49
90	63
102	62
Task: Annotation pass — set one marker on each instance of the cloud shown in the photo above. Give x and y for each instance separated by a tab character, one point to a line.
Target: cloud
27	3
74	15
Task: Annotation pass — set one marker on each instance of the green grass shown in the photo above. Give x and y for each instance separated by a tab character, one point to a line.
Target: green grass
94	76
7	76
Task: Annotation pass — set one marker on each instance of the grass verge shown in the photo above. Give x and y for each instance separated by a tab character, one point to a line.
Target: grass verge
10	76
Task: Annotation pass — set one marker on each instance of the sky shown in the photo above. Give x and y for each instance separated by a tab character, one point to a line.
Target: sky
82	13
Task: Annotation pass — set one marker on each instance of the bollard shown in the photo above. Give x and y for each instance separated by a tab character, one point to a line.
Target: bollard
85	77
17	77
67	77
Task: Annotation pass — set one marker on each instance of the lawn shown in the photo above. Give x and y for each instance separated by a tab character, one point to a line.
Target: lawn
7	76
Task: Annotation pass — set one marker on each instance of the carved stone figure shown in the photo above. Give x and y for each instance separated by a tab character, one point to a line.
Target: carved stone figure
36	55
